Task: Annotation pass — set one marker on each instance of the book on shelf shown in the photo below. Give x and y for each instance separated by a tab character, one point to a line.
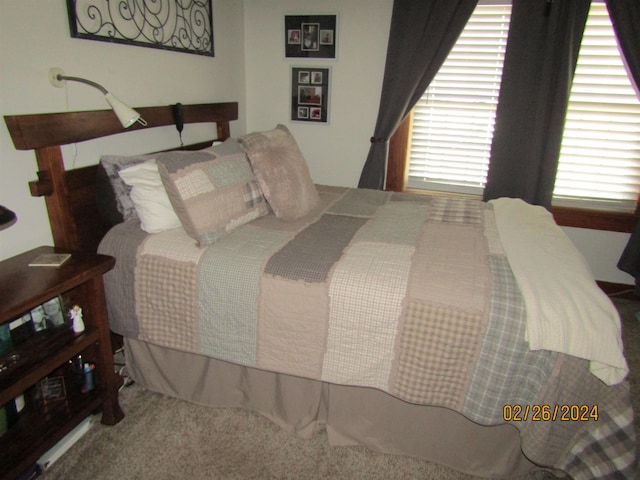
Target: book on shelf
50	260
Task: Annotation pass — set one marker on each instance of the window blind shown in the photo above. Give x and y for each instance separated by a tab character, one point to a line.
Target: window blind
453	122
600	156
599	166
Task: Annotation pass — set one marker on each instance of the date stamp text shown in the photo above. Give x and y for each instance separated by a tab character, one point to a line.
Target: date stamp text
550	413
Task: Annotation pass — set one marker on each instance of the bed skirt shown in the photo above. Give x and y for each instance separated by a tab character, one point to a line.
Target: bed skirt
303	407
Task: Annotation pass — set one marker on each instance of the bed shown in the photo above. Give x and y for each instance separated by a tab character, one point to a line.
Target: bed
466	333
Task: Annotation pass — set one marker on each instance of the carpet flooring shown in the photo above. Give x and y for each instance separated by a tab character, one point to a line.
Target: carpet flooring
165	438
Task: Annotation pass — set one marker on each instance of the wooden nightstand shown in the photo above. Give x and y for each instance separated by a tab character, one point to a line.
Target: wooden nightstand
77	281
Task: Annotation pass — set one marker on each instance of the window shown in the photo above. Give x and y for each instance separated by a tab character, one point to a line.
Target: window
600	156
460	103
452	125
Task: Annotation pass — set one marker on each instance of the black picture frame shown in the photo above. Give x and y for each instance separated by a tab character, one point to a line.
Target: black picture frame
310	36
169	25
310	94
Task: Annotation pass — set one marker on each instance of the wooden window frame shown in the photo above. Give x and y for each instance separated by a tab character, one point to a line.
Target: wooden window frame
568	217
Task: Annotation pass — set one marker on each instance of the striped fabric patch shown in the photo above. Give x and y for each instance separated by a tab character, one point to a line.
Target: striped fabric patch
437	352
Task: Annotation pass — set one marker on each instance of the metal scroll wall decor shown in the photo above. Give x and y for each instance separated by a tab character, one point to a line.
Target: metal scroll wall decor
179	25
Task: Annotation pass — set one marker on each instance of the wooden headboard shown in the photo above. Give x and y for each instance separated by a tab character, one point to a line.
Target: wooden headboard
70	195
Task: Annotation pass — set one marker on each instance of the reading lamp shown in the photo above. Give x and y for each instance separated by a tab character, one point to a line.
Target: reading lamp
127	115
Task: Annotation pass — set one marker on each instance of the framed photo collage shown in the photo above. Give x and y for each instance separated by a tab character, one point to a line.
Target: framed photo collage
310	36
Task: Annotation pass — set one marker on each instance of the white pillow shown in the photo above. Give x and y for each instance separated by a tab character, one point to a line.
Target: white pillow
149	197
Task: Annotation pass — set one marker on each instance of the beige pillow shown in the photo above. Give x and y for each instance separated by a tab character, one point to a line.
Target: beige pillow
282	172
212	195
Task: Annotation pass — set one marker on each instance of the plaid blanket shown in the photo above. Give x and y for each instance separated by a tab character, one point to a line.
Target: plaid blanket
409	294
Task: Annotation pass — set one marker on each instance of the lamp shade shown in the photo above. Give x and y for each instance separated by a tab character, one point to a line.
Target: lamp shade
127	115
7	217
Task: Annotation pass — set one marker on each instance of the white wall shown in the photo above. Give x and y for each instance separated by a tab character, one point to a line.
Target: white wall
602	250
249	67
34	35
336	152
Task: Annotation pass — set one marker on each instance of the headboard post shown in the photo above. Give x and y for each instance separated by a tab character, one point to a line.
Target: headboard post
223	130
52	186
70	195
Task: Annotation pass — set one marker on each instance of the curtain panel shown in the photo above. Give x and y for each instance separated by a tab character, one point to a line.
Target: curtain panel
542	53
421	36
625	16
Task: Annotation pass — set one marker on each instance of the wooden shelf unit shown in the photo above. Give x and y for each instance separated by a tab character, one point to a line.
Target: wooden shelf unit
22	288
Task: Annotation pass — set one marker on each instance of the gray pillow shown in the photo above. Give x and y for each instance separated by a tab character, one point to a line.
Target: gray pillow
112	194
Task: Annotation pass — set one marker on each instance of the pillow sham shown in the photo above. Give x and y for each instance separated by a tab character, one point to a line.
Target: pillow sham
149	197
211	194
112	193
281	171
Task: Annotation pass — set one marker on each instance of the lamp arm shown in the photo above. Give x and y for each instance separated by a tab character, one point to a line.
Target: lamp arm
83	80
127	115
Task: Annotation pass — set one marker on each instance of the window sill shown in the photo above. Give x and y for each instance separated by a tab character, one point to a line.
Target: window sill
564	216
570	217
595	219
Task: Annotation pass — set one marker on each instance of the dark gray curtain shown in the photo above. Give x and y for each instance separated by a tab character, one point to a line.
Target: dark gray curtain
422	34
543	45
625	16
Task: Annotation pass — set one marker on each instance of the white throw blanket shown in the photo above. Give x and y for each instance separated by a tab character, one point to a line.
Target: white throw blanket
566	310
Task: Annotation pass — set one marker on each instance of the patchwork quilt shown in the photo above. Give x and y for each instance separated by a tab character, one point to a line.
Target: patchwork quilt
409	294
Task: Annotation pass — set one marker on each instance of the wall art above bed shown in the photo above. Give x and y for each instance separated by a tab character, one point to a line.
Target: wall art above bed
310	36
310	94
178	25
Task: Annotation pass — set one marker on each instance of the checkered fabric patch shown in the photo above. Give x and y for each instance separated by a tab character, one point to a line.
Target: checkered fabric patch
365	295
395	222
359	203
491	233
608	451
309	256
410	197
169	319
228	328
438	348
193	184
252	194
506	367
234	171
457	210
